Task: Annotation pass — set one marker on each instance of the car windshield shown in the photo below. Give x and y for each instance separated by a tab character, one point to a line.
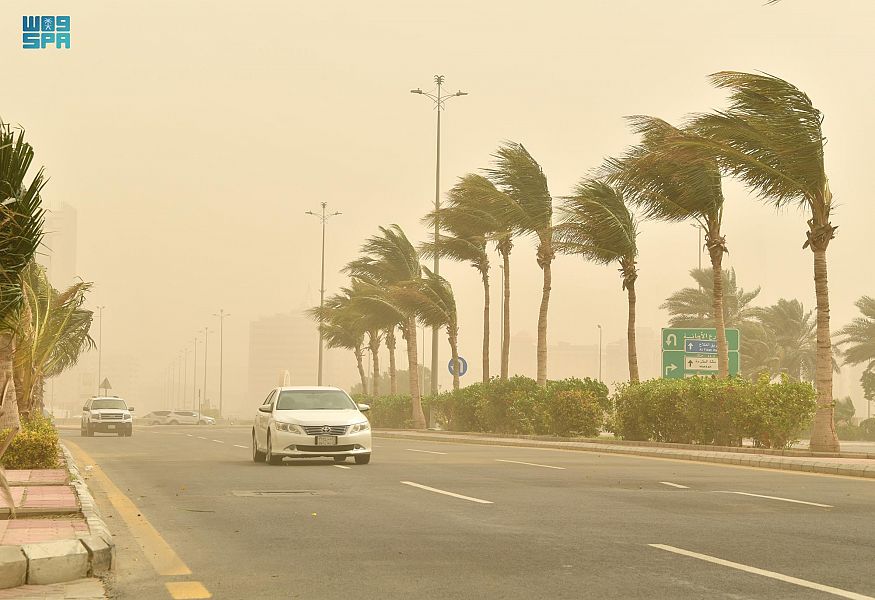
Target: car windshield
108	404
314	400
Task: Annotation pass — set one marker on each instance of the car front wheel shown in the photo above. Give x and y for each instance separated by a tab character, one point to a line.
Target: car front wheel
271	458
256	455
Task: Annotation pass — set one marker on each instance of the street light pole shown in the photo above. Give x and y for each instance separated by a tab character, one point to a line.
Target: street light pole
438	99
194	376
99	347
221	314
206	345
600	353
323	218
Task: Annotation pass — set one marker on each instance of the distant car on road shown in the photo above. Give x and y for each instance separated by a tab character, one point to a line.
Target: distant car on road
306	422
156	417
186	417
107	414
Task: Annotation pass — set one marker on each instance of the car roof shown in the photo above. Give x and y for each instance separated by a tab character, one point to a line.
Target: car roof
307	388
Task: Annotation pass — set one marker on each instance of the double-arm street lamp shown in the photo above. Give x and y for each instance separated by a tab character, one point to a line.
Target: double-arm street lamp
221	314
438	98
100	347
323	217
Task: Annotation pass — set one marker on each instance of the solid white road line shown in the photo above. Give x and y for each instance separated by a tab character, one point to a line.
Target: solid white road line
239	446
219	441
676	485
776	498
771	574
445	493
424	451
342	467
517	462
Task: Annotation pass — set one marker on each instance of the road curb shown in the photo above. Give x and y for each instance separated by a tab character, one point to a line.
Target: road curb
61	561
763	461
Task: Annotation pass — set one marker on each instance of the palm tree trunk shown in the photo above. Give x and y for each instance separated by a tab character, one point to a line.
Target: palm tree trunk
454	352
716	248
9	418
630	333
545	259
409	332
390	345
485	326
823	434
362	377
505	326
374	347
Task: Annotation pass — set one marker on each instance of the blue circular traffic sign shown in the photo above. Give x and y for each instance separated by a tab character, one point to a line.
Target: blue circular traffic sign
463	367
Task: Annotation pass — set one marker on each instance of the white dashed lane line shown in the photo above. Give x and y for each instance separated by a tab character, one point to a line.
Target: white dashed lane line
342	467
446	493
776	498
517	462
770	574
424	451
239	446
675	485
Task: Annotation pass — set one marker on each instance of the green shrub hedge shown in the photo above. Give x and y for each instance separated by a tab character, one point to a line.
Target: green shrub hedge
35	447
865	431
570	407
714	411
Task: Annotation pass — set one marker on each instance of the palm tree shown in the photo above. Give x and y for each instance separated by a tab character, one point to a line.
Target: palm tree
678	187
431	299
464	240
476	207
390	261
21	220
859	336
528	208
770	137
793	330
52	333
597	225
694	307
341	328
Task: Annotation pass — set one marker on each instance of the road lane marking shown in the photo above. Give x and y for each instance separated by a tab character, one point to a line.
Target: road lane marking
517	462
770	574
342	467
189	435
187	590
424	451
201	438
776	498
445	493
675	485
164	559
219	441
239	446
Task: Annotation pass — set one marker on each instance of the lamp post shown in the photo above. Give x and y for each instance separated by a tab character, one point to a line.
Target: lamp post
99	347
194	376
323	218
439	99
206	345
600	353
221	314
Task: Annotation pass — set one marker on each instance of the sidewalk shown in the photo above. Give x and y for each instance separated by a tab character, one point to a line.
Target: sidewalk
56	537
852	465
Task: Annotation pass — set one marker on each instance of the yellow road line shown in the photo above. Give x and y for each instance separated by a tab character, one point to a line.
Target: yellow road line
187	590
163	558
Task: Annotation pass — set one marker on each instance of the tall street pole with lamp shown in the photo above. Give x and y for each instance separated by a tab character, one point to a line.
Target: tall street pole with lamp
100	348
600	353
323	217
438	98
221	314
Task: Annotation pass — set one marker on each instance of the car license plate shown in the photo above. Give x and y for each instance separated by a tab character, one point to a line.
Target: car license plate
110	426
326	440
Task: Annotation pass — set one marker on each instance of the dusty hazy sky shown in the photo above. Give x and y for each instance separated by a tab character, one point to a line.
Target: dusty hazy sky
191	137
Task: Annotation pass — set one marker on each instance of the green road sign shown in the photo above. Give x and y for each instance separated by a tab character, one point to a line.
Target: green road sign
688	352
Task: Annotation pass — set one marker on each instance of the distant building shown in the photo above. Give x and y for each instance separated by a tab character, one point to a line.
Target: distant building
58	250
280	343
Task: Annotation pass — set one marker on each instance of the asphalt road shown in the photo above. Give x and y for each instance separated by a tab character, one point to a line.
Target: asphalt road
522	523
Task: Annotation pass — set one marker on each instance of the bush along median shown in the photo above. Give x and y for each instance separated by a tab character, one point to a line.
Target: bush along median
35	447
688	411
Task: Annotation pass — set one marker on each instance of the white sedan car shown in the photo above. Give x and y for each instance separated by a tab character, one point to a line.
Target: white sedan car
305	422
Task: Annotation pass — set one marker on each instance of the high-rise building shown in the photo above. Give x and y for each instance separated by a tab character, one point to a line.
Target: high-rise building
58	250
280	343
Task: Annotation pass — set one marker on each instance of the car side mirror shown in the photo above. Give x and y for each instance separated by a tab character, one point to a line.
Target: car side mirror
265	408
130	409
85	407
364	407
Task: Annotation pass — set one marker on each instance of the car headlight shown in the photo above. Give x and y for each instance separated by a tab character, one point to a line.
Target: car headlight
290	427
126	418
363	426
